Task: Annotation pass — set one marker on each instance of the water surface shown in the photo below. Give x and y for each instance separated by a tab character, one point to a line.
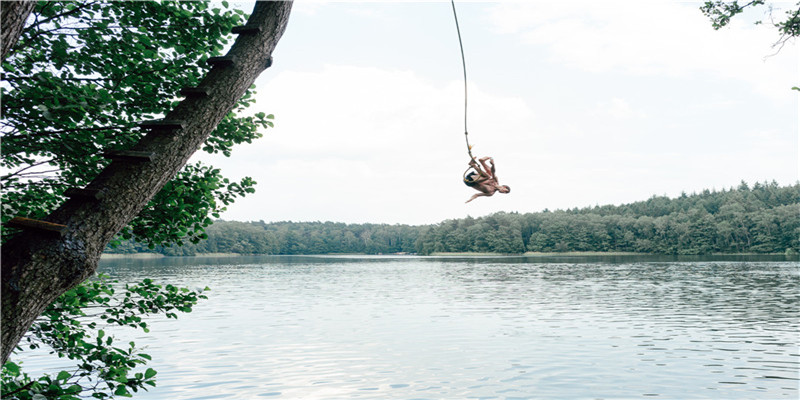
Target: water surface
461	327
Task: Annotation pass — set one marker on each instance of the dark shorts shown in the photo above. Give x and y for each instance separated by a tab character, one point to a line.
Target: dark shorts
470	178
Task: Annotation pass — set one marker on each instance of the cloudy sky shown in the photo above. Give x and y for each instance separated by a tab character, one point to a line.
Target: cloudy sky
580	103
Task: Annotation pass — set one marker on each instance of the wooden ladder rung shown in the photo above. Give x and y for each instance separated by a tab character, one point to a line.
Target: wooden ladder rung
194	92
89	194
128	155
36	225
162	124
222	61
245	29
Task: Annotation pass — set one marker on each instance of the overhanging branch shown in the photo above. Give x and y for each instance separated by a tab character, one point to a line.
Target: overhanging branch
37	269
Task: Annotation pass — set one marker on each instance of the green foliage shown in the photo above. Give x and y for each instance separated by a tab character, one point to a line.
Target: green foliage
761	219
75	325
81	77
764	219
721	13
291	238
171	217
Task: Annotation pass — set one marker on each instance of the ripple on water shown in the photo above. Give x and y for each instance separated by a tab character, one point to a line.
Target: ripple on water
480	328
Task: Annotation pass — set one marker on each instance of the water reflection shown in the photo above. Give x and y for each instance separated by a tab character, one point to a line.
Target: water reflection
455	327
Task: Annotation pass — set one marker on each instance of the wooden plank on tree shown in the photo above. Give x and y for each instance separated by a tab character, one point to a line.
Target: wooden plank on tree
88	194
222	61
162	124
36	225
93	223
128	155
194	92
245	29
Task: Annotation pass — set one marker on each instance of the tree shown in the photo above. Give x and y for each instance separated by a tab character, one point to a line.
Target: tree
721	13
81	78
12	18
38	266
75	326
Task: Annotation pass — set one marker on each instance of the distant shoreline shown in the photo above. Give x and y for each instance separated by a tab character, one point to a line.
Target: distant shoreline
596	253
105	256
548	254
586	253
114	256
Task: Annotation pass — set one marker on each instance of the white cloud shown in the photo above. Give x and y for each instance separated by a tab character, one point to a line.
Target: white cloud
362	144
651	38
617	109
358	143
385	143
307	7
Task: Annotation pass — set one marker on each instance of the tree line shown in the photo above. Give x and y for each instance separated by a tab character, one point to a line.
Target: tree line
290	238
764	218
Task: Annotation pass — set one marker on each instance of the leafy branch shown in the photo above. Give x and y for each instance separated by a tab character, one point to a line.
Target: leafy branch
102	370
722	12
69	98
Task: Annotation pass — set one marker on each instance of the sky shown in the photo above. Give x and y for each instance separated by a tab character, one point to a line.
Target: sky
580	103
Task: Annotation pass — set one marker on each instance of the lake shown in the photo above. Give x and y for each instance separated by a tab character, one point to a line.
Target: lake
474	327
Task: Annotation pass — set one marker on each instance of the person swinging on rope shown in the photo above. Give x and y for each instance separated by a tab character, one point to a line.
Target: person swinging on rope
482	178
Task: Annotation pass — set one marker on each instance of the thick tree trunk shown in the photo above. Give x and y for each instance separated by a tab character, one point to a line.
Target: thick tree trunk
12	19
37	267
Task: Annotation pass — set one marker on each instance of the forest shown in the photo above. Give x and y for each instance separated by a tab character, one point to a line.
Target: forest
763	219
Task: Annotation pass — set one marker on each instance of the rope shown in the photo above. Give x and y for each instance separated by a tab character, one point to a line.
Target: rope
464	67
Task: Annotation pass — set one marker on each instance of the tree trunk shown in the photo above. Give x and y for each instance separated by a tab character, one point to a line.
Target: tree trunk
38	267
12	19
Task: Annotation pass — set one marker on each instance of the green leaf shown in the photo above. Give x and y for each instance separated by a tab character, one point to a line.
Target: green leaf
122	390
63	375
66	95
150	373
12	368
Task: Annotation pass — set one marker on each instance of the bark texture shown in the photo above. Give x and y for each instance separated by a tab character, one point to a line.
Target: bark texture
12	20
37	268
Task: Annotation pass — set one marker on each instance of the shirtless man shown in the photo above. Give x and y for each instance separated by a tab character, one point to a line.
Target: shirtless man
484	179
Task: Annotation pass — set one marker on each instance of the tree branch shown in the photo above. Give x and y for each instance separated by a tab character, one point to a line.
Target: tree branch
24	387
37	269
64	14
48	133
21	171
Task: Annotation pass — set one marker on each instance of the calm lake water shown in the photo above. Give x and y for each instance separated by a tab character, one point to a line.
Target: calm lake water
453	328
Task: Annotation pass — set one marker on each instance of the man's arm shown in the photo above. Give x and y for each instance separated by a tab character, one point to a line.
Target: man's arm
476	195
